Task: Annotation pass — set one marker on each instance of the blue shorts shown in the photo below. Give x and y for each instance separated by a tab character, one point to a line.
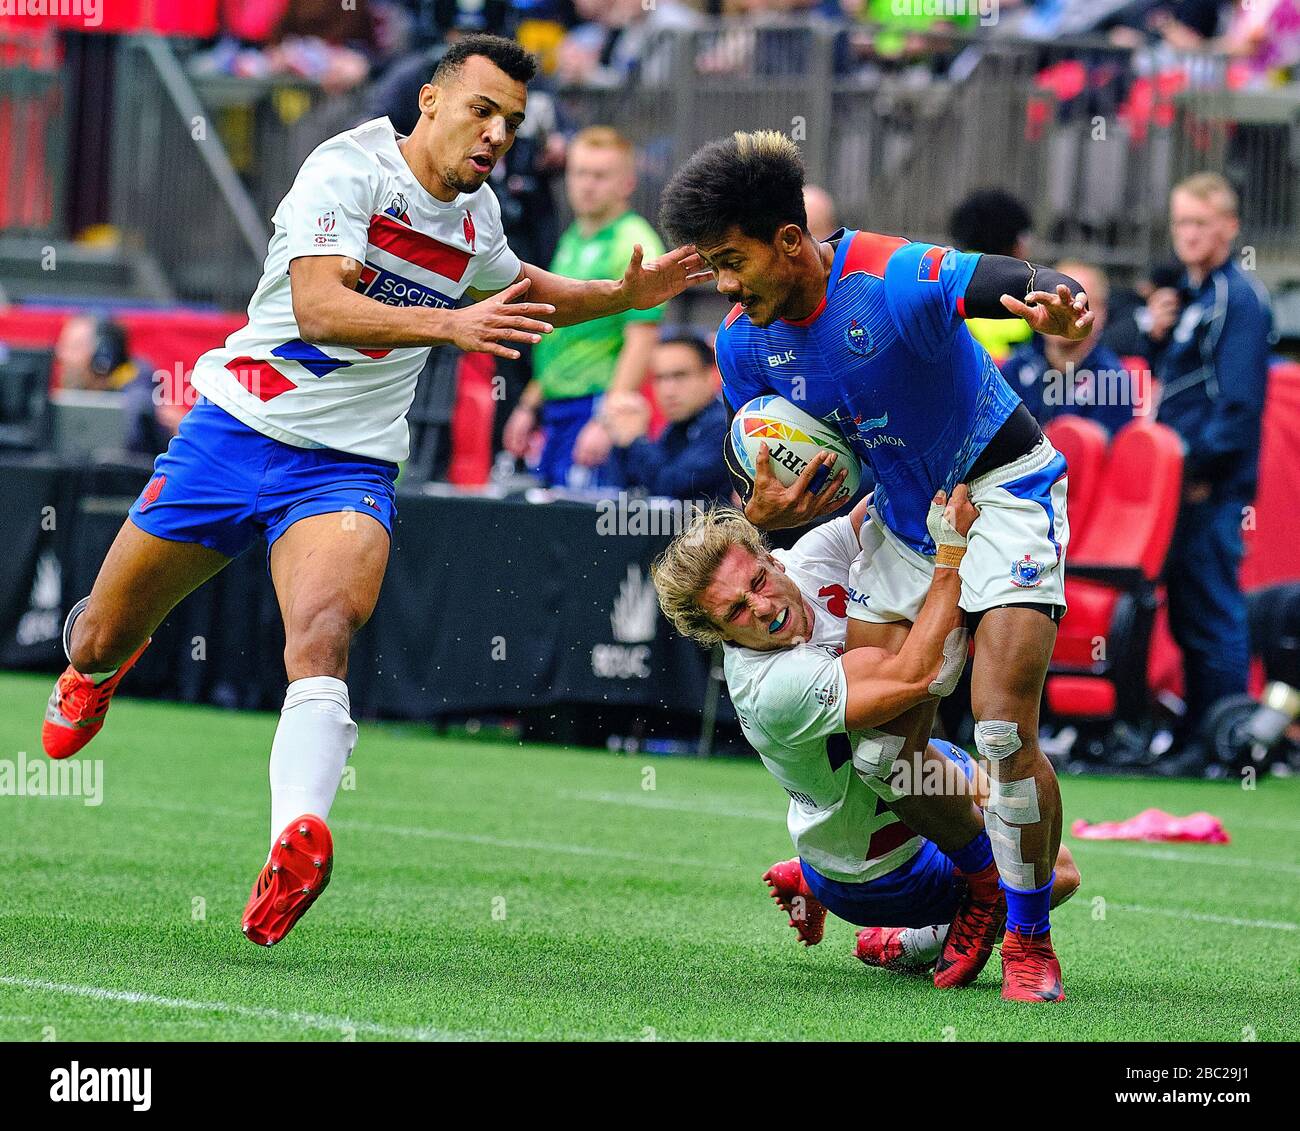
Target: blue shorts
924	891
221	484
562	421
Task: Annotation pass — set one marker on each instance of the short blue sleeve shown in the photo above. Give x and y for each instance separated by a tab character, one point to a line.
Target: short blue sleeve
739	383
925	286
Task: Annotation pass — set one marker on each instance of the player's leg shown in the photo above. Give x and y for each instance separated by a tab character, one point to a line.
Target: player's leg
185	526
327	569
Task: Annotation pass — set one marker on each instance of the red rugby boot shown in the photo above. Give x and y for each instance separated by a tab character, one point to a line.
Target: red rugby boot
1030	969
807	915
77	708
883	947
975	928
294	876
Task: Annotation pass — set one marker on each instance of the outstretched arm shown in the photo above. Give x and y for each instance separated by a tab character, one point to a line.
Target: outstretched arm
882	685
644	285
1052	303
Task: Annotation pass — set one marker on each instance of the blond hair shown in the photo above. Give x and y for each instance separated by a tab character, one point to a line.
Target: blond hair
1212	188
683	571
766	144
604	137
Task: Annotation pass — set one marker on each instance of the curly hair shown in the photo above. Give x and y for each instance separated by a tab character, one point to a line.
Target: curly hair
504	53
751	181
687	566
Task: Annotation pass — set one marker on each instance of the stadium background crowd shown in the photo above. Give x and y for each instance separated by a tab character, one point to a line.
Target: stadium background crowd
153	263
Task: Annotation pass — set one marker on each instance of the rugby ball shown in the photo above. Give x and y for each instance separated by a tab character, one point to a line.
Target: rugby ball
793	437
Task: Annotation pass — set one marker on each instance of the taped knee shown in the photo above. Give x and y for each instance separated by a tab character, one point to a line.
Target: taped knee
1011	805
996	740
873	761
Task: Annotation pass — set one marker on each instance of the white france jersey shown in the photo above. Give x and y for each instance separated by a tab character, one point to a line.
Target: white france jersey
355	196
791	708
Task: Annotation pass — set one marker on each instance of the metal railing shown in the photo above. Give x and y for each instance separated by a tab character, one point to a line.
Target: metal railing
175	192
1091	136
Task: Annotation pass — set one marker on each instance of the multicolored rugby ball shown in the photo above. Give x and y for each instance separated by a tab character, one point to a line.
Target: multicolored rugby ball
793	438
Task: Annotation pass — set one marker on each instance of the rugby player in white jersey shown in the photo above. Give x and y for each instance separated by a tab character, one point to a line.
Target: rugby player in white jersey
301	425
883	821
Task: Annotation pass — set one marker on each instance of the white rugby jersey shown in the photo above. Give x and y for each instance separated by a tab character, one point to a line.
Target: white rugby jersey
354	196
791	708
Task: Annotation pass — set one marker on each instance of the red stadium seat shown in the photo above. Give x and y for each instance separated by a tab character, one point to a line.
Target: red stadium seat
1083	444
1099	666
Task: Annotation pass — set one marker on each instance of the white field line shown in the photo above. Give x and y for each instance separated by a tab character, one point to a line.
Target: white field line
1202	917
1174	856
775	814
343	1025
648	856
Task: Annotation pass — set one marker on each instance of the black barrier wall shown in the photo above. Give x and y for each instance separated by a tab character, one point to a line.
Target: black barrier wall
489	606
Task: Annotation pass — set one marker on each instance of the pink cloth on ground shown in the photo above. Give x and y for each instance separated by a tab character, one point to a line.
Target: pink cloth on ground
1156	824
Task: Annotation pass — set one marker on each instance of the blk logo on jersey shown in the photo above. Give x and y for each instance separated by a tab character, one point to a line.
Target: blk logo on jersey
1027	573
785	358
858	339
394	290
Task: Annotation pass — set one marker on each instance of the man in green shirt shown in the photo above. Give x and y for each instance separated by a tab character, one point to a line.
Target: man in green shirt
575	366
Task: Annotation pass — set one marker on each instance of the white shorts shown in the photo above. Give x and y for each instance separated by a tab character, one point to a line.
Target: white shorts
1015	556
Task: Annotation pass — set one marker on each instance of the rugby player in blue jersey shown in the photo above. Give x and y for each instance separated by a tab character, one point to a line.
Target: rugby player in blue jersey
867	331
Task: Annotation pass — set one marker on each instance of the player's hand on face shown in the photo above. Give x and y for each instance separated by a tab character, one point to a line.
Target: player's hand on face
772	506
650	284
1060	314
498	324
591	448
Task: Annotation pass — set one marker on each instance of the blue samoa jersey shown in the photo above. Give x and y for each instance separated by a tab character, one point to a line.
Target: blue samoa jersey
887	359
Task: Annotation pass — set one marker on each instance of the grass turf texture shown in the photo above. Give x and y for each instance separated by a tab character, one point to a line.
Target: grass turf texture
496	891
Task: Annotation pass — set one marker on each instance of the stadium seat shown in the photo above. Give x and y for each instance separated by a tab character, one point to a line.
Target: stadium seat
1083	444
1099	666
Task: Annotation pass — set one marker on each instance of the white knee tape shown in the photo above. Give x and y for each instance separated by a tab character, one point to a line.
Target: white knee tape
873	761
996	740
956	646
1015	871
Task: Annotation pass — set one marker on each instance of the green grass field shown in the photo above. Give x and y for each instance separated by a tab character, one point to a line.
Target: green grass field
484	890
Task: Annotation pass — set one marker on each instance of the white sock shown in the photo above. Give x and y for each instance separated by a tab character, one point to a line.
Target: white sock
924	944
312	745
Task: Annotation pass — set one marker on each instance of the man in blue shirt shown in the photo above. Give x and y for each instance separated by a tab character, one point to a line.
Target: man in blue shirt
1212	338
867	332
683	462
1085	378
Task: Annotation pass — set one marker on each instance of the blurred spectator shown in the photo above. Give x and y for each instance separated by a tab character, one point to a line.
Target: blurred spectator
994	222
685	462
1213	337
320	41
820	207
1185	25
621	40
1266	34
574	366
1055	377
1128	320
897	31
92	354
